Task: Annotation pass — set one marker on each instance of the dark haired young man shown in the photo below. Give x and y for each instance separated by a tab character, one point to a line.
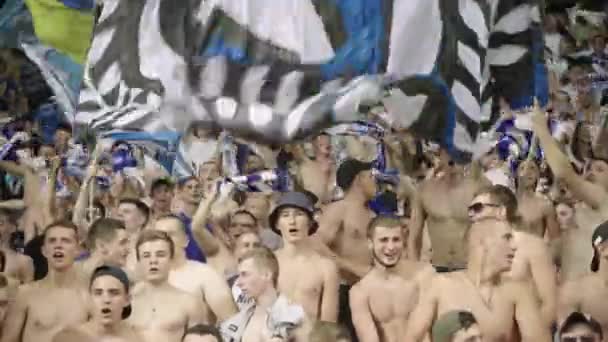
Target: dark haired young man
382	301
59	300
109	289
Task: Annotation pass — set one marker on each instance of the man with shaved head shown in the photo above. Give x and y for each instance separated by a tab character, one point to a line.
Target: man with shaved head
498	304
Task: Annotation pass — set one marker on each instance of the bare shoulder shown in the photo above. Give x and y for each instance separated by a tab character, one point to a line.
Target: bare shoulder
360	289
326	264
29	290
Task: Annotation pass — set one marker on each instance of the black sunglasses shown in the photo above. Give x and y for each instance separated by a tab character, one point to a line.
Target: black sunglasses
478	207
578	339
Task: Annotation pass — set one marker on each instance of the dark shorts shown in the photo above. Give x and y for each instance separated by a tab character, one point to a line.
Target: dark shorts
445	269
344	314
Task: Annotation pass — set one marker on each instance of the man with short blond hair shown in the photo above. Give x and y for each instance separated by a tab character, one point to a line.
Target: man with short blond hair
271	316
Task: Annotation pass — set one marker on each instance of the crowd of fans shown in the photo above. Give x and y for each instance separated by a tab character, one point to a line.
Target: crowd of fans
359	234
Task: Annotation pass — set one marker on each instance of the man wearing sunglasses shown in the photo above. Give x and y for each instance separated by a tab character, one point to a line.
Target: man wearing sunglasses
579	327
533	261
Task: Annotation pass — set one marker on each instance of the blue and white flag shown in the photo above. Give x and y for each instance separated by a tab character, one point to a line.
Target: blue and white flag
276	71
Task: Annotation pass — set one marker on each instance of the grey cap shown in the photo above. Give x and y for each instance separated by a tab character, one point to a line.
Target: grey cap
293	200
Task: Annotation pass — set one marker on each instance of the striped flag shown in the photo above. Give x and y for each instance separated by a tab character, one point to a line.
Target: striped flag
276	71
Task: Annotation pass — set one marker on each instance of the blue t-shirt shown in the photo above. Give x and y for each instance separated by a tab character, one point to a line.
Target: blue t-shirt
193	251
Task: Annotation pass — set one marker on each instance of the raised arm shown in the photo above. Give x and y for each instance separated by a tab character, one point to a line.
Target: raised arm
594	195
362	315
80	208
414	239
208	242
48	209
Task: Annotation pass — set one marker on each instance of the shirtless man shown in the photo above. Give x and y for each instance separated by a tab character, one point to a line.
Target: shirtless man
591	188
446	218
317	174
533	261
383	300
306	277
108	243
584	294
537	212
17	266
194	277
109	291
343	226
258	277
45	307
497	304
161	312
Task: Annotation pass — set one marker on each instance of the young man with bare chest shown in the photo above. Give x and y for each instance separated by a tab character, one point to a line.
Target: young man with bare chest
45	307
537	213
381	302
271	317
585	294
306	278
499	305
533	262
343	229
161	312
196	278
441	204
17	266
109	291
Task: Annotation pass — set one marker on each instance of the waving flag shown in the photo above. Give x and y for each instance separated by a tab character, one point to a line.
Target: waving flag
282	70
64	28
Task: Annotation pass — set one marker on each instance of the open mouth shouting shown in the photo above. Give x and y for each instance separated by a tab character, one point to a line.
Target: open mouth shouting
58	255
